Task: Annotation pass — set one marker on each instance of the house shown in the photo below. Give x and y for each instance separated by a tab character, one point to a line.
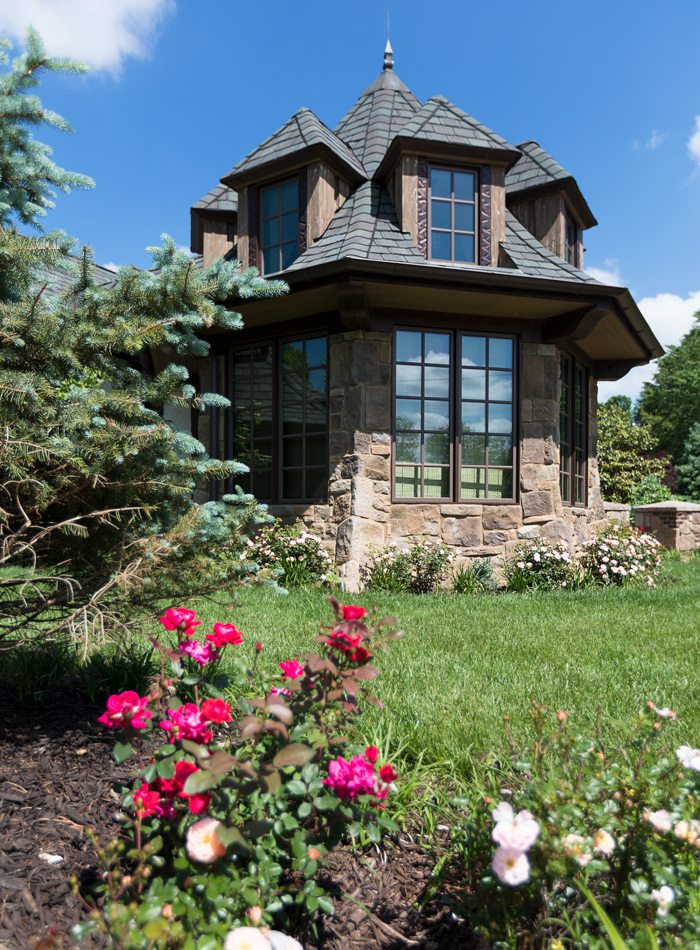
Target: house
433	369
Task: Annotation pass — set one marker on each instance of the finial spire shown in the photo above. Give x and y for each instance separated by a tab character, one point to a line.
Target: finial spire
388	51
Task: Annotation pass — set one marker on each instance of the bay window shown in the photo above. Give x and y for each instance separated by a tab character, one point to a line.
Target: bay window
573	432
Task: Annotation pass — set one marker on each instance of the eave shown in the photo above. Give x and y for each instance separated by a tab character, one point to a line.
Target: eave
570	190
292	162
445	151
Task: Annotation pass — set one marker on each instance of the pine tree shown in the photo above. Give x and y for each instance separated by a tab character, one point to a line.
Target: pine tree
97	487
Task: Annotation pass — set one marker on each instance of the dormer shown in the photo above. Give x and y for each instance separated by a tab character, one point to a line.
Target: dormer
446	172
546	199
288	189
214	224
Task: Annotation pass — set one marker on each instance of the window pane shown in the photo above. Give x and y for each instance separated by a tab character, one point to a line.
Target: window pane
408	380
473	384
289	227
500	483
437	448
474	351
436	482
290	191
501	386
408	414
407	481
473	483
293	451
437	381
317	383
464	248
500	352
262	453
464	217
316	451
271	232
270	201
409	347
473	449
316	483
436	416
500	418
473	417
293	483
437	348
291	425
289	254
440	182
316	350
441	216
271	260
408	447
441	246
464	185
262	485
500	450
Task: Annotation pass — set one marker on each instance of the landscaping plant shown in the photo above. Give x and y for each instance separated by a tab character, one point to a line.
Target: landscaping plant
294	555
538	565
474	577
621	554
586	822
229	818
421	567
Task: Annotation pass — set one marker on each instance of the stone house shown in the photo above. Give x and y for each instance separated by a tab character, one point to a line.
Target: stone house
432	371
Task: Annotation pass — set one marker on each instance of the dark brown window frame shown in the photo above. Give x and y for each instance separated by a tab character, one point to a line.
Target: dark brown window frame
473	170
277	343
572	373
455	400
300	216
572	249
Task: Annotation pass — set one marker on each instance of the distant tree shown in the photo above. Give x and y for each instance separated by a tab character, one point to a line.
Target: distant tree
670	404
689	465
96	487
624	451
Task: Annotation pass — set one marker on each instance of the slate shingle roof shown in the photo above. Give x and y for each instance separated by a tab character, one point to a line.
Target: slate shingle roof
365	227
302	131
439	120
537	169
220	198
534	259
60	280
379	114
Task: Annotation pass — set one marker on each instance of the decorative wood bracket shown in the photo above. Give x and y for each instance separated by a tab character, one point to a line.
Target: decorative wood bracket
352	305
614	369
573	326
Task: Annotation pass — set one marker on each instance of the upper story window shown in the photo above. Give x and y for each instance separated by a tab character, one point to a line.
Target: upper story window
453	214
279	225
571	241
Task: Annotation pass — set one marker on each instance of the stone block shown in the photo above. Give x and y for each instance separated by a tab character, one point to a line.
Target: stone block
364	362
361	442
342	505
499	517
338	486
528	531
464	532
415	521
362	496
496	538
381	438
461	511
383	488
381	450
353	415
355	537
376	467
378	408
537	504
555	531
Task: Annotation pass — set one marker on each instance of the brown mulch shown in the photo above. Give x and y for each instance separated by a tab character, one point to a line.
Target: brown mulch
56	776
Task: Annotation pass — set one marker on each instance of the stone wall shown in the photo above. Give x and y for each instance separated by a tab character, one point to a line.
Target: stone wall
360	513
675	523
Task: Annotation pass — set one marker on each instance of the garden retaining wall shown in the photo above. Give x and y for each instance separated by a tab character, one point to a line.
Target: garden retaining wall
675	523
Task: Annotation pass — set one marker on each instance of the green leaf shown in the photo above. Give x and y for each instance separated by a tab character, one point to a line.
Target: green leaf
326	905
221	763
296	753
251	896
200	782
229	836
304	810
296	788
256	828
122	751
616	940
165	768
199	751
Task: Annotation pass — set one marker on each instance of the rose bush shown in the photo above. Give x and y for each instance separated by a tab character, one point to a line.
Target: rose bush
420	567
228	820
538	565
294	554
618	824
621	554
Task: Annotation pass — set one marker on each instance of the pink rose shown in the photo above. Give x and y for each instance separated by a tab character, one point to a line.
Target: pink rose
202	843
126	709
224	634
178	618
201	653
187	722
291	669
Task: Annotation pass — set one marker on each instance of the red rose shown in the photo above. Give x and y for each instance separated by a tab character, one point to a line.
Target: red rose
216	710
352	612
224	634
146	801
388	774
371	753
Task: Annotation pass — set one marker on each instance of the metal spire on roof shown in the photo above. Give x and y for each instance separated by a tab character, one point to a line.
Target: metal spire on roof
388	51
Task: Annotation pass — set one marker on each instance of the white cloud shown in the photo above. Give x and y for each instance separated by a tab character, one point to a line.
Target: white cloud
110	265
694	142
670	317
656	139
609	273
100	33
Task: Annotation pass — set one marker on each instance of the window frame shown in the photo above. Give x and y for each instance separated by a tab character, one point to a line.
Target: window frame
277	344
262	189
572	252
455	415
576	372
473	170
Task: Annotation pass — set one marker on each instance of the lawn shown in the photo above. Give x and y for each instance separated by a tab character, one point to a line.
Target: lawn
465	662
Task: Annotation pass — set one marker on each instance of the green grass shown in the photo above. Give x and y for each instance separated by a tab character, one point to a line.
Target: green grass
465	662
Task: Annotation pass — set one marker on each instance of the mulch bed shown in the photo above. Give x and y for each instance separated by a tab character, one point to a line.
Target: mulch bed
56	775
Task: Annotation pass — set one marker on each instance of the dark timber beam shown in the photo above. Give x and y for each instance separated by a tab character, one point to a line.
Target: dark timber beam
614	369
352	305
573	326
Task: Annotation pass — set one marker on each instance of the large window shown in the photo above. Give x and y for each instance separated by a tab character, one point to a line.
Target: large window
286	450
571	240
279	225
454	416
573	429
453	214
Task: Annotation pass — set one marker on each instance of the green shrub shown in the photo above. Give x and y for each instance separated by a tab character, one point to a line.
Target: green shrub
624	452
622	554
537	565
650	490
619	822
474	577
419	568
227	823
294	554
689	465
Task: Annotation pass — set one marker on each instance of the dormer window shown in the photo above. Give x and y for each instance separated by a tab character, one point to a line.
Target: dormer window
453	214
279	225
571	240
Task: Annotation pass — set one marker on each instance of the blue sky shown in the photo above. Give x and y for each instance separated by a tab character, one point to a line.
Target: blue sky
179	91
